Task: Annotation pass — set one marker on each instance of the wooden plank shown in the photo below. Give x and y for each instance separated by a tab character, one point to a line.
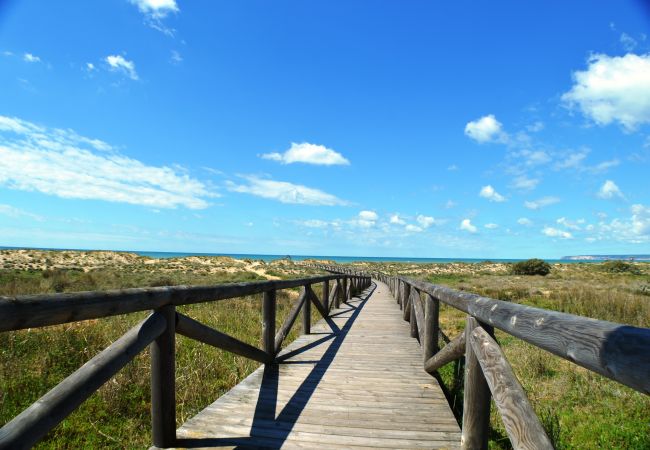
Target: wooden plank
361	385
268	323
163	382
288	322
522	424
431	326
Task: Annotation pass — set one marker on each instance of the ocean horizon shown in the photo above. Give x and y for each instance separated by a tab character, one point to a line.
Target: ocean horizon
335	258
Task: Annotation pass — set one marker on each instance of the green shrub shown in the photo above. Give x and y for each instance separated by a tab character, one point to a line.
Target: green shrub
531	267
617	266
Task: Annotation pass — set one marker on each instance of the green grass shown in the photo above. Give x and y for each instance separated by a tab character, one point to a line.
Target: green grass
118	415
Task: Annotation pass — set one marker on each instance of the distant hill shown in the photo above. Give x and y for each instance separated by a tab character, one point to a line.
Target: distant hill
607	257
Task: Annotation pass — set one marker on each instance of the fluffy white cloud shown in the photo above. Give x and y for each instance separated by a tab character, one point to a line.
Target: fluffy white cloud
541	202
395	219
491	226
156	8
117	63
554	232
366	219
492	195
284	192
486	129
523	183
28	57
315	223
613	89
609	190
425	221
466	225
413	228
524	221
368	215
65	164
571	225
309	154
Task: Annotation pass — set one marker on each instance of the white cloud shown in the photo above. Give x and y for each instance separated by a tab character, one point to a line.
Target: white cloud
452	168
16	213
395	219
541	202
368	215
315	223
90	67
426	221
524	221
568	223
486	129
28	57
466	225
635	229
309	154
491	226
156	8
413	228
535	127
176	57
628	42
554	232
609	190
613	89
366	219
450	204
117	63
523	183
63	163
284	192
489	193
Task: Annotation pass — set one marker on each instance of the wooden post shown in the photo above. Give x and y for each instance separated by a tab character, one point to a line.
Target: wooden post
163	388
306	312
431	326
326	295
414	322
406	302
345	289
268	324
476	399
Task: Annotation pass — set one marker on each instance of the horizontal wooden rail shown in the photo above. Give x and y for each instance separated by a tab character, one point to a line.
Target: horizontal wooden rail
31	311
158	331
617	351
28	427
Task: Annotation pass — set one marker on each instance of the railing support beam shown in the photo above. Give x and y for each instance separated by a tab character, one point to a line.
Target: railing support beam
163	382
268	324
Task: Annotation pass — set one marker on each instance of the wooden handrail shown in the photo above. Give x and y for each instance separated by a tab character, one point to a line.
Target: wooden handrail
158	331
617	351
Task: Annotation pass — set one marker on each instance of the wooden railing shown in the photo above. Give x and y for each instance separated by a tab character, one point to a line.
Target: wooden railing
157	330
616	351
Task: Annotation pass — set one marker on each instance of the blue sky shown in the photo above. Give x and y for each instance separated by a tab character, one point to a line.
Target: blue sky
369	128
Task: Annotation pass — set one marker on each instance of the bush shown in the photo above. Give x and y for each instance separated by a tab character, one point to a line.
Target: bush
531	267
617	266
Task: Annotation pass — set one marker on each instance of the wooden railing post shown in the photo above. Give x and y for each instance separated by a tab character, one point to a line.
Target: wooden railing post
306	312
268	324
415	294
431	325
345	289
406	301
476	397
163	383
326	295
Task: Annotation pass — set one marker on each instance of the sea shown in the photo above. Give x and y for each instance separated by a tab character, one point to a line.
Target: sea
335	258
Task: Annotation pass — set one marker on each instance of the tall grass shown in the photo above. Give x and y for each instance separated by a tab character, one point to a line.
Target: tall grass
118	415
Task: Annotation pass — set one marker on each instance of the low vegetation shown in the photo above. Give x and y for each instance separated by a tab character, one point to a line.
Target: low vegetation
531	267
578	408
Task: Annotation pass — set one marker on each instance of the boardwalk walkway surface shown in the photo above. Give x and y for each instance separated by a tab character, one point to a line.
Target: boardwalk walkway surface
355	382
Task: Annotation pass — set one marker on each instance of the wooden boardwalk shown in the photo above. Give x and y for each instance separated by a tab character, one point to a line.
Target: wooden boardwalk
355	382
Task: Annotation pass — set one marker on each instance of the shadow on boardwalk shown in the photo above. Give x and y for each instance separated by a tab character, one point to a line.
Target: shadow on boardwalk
265	414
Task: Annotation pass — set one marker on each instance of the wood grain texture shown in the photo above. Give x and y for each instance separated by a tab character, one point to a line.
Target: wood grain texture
195	330
268	323
522	424
361	386
418	312
431	326
617	351
450	352
33	423
476	398
163	382
290	319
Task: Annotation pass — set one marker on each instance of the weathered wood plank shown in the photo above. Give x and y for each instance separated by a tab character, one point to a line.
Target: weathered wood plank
450	352
522	424
288	322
